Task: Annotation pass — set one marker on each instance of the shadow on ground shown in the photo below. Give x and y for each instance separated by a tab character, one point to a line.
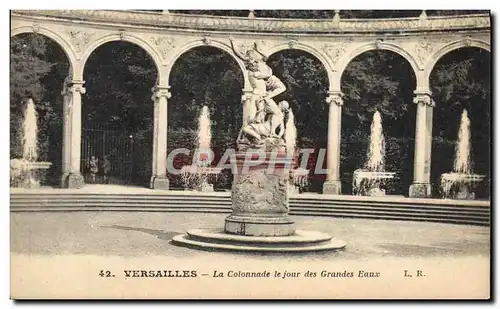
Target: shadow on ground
160	234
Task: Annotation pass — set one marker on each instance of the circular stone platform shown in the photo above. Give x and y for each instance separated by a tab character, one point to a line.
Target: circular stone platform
217	239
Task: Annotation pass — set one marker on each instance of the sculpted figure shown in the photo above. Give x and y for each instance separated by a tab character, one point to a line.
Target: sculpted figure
262	125
265	85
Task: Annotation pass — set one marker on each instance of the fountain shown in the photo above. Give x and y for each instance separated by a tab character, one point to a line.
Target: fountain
368	180
23	171
259	220
459	184
298	176
196	175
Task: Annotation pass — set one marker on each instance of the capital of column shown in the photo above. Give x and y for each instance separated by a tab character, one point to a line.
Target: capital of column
72	86
335	97
159	92
424	98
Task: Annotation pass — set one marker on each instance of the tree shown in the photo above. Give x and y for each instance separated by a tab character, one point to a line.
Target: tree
36	64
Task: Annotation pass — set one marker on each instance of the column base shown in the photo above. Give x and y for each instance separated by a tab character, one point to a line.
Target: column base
259	225
420	190
159	183
74	181
332	187
64	180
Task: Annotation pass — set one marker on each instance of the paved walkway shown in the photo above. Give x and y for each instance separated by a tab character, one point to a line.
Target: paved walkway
62	253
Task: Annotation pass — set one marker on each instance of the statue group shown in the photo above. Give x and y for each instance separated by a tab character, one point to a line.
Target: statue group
264	125
260	194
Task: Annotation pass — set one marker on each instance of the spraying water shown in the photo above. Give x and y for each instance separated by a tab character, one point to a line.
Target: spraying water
460	183
376	151
197	174
204	130
23	171
462	149
290	133
30	131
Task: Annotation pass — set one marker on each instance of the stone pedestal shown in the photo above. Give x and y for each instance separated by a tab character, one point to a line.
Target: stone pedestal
159	183
204	186
420	190
464	193
260	195
332	187
75	181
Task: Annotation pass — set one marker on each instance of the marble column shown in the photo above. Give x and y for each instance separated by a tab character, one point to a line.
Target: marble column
72	134
421	186
159	178
67	96
332	184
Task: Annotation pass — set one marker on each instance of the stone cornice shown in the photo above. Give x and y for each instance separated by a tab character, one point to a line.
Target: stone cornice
272	25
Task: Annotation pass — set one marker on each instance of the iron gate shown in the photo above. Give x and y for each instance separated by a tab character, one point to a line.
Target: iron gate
129	155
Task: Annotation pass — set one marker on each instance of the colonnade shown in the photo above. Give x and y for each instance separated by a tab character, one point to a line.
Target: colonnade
72	177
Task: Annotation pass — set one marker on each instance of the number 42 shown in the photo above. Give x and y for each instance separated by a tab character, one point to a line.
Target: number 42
105	273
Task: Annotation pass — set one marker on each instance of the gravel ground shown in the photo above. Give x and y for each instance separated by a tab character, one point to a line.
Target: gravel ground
60	255
142	234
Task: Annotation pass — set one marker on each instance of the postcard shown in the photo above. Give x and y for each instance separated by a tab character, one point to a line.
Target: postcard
250	154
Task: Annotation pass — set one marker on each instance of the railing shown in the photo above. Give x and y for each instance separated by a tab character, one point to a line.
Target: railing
208	22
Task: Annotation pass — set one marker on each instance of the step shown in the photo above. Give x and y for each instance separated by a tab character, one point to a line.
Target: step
384	210
400	217
185	240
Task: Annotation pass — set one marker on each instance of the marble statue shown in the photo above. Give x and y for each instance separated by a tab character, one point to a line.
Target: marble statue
265	115
263	123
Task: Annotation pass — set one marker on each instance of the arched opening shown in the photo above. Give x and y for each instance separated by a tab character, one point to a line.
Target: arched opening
38	67
383	81
117	113
306	80
461	80
204	76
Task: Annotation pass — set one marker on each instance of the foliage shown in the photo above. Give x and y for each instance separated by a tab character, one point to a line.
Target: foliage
378	80
38	66
326	14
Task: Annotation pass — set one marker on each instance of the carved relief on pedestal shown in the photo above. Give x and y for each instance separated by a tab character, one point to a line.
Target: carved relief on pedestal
163	44
80	38
260	192
335	51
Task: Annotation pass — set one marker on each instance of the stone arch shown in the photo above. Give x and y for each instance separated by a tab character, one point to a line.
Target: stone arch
433	60
65	46
309	49
379	45
200	43
127	38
